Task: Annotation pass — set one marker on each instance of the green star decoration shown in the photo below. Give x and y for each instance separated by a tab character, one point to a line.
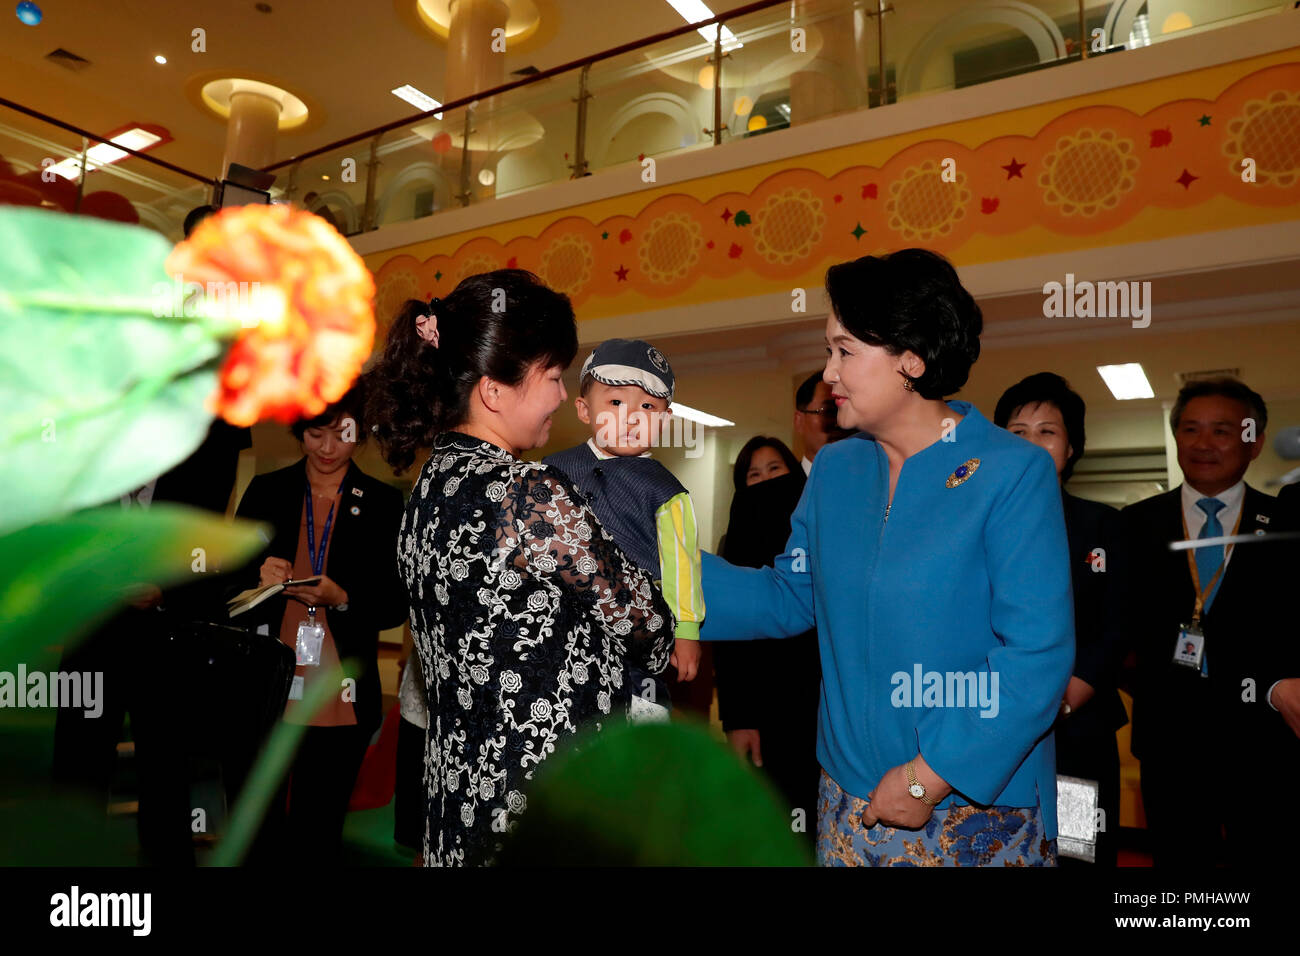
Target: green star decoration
741	218
604	235
1204	120
858	231
437	276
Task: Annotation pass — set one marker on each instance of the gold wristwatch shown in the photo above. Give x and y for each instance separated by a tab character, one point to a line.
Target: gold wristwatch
916	788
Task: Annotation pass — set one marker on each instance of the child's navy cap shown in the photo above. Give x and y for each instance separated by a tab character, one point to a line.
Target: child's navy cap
630	362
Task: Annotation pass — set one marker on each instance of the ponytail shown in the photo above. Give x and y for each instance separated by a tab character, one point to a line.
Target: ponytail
401	383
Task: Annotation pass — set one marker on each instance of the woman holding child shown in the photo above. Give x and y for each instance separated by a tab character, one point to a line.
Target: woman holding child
525	615
929	551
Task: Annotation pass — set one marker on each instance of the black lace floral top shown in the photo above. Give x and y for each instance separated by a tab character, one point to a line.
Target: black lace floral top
525	615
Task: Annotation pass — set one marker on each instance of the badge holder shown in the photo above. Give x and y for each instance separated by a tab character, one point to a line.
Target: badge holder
1190	649
307	650
310	638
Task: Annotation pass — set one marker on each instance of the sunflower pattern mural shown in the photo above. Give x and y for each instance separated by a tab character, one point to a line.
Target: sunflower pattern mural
1084	176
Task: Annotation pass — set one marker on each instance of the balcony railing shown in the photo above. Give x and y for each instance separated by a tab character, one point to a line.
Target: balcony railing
766	67
47	162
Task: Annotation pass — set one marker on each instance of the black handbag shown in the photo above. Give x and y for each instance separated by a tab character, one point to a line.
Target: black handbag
226	688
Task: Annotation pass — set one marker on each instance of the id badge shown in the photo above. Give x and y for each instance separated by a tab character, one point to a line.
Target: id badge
1190	649
296	688
310	638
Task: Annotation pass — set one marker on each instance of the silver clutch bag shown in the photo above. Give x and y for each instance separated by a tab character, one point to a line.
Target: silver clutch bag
1076	817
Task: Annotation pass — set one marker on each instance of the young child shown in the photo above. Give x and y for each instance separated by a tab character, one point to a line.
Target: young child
625	388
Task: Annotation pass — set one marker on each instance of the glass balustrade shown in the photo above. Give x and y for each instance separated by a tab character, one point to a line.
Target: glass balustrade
790	63
41	165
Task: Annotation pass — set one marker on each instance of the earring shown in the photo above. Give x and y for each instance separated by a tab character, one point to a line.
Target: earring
907	382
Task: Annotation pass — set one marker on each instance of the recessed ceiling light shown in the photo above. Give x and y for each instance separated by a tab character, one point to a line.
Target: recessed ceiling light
695	415
693	11
160	59
421	101
1126	381
103	154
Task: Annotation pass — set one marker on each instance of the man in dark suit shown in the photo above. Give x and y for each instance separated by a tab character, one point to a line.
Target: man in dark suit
135	679
1209	628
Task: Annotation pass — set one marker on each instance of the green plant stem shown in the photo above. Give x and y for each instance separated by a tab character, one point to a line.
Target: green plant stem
215	326
271	766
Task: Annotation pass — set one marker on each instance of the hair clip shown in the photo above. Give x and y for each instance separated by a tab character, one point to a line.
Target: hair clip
427	325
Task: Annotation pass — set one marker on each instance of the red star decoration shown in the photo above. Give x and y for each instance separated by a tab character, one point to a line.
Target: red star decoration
726	215
869	191
1161	137
1186	179
734	251
989	204
839	198
625	236
709	244
1013	169
640	157
621	272
512	262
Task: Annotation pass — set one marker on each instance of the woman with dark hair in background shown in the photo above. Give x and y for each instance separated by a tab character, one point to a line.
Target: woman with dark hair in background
929	550
1043	409
768	690
334	522
523	611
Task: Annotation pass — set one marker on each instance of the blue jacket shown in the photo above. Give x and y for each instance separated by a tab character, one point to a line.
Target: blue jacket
965	587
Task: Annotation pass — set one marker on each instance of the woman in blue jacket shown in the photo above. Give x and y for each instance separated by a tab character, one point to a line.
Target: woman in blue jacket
929	551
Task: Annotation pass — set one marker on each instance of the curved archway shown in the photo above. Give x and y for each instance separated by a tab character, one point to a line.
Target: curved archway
339	202
1032	22
674	107
527	168
1119	21
418	172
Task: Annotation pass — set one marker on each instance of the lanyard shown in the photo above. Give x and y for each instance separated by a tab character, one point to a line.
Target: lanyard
1201	595
318	560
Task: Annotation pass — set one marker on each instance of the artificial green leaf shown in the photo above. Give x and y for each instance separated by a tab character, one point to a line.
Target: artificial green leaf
102	385
651	795
58	578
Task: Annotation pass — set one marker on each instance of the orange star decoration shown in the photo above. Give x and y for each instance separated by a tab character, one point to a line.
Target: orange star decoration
306	300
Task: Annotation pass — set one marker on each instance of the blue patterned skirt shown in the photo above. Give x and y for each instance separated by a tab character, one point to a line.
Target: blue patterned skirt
956	836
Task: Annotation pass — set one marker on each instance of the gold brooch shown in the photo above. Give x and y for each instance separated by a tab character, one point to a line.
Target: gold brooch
963	471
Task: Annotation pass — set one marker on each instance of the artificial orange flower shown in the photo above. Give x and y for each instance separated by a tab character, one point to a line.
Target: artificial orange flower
308	305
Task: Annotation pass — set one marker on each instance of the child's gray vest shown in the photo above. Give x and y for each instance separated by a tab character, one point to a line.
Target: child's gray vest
625	493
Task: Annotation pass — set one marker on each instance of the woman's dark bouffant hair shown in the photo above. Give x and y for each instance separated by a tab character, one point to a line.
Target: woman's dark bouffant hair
747	455
499	324
911	300
352	404
1050	388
